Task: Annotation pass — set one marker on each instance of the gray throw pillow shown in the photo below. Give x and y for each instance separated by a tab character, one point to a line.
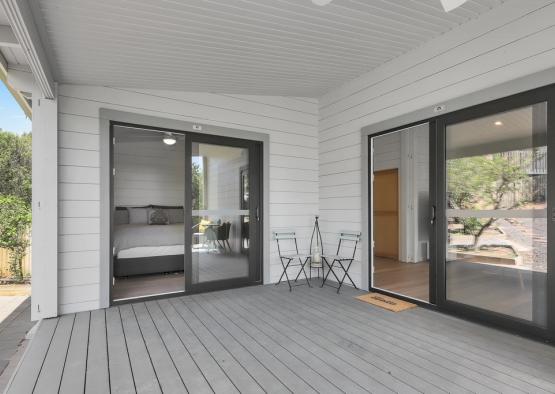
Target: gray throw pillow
175	215
121	216
138	215
157	217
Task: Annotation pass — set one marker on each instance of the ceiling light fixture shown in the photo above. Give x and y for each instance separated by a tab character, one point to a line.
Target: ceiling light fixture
169	139
498	123
321	2
450	5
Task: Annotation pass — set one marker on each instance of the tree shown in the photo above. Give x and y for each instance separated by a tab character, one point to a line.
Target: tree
15	220
198	186
482	182
15	165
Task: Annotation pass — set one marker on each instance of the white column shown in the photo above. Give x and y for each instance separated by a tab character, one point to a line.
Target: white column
44	300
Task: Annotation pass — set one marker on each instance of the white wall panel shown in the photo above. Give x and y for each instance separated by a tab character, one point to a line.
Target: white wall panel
290	122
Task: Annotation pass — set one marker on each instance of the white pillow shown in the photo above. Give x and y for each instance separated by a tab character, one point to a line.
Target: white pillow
138	215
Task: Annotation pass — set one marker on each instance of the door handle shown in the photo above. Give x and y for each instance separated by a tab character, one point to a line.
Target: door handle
433	215
257	214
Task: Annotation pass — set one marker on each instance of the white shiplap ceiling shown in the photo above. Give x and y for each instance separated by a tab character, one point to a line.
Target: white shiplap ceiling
268	47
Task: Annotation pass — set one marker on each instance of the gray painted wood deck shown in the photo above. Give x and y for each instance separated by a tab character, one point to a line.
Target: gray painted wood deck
266	339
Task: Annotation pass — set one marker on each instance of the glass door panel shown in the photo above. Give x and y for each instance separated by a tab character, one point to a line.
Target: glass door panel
401	210
220	213
496	213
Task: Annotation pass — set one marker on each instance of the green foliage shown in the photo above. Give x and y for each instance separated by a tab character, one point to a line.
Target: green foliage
198	186
15	197
15	220
15	166
482	182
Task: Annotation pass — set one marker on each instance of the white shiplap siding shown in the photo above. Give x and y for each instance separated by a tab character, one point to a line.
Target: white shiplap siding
290	122
511	41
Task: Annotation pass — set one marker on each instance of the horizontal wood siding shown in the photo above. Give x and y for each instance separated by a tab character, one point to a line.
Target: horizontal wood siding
511	41
290	122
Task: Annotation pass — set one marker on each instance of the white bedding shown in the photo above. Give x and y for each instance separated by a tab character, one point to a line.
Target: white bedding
151	251
143	240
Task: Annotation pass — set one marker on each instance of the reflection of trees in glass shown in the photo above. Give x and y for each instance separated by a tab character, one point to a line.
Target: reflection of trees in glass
198	189
485	182
198	186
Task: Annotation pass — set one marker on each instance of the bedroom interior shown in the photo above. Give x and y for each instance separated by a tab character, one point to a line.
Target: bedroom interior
148	193
150	182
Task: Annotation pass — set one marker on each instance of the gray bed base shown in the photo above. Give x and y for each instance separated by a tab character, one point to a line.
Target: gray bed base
148	265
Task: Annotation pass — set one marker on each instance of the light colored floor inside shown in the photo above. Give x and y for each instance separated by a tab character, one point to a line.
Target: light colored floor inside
212	267
408	279
146	285
508	290
267	339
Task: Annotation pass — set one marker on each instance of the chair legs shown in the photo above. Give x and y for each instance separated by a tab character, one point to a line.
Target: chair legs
345	273
286	266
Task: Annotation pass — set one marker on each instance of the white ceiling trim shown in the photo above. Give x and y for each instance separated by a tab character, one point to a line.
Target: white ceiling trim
23	25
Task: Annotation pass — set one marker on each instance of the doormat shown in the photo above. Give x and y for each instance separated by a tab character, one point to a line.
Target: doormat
386	302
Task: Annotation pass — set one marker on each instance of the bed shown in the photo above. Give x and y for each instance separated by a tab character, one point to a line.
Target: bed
142	248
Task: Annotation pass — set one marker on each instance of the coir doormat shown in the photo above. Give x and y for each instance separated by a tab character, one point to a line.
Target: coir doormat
386	302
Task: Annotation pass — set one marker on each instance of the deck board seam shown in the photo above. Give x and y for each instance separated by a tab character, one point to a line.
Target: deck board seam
67	351
185	346
299	332
381	314
146	348
259	344
166	348
337	328
243	346
220	342
45	354
277	343
107	352
318	357
377	367
87	353
203	345
465	357
127	349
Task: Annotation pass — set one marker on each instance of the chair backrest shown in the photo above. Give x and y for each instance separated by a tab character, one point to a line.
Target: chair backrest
285	235
348	238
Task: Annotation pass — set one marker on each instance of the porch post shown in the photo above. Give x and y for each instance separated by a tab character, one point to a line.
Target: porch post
44	299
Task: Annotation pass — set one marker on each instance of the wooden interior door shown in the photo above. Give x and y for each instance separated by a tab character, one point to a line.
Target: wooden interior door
386	213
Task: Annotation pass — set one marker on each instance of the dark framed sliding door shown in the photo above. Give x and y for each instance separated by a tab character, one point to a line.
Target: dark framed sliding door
185	212
495	213
223	211
467	224
401	200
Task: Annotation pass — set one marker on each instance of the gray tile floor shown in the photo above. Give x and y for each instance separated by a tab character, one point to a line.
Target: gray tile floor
267	339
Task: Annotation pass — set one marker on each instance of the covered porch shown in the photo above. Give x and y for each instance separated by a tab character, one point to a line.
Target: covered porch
266	339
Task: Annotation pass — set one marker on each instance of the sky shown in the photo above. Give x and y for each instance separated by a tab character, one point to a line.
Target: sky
12	117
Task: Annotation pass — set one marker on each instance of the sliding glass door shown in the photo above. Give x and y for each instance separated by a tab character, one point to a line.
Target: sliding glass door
224	206
186	212
495	257
460	212
400	207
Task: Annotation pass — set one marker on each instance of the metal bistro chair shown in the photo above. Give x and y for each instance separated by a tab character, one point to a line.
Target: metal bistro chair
287	259
346	238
